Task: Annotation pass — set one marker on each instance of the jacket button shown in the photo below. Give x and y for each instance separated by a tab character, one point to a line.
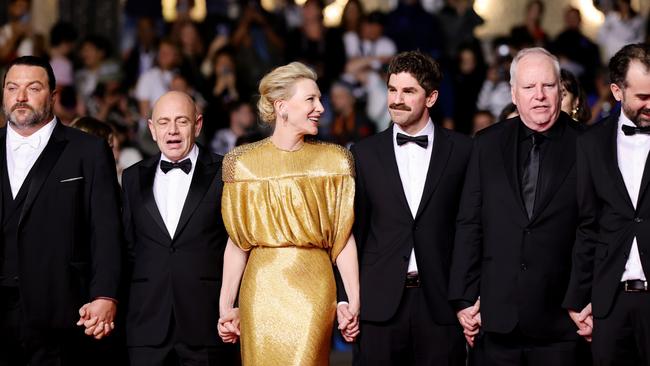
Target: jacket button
527	231
172	249
638	220
524	266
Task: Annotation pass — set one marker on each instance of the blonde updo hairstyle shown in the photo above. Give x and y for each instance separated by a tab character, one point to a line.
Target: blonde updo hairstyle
279	85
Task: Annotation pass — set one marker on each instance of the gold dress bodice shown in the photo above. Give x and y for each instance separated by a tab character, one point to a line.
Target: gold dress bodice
293	210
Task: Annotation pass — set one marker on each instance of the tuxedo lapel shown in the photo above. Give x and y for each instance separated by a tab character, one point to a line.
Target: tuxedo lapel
441	150
385	150
203	176
44	165
559	159
509	152
147	174
611	159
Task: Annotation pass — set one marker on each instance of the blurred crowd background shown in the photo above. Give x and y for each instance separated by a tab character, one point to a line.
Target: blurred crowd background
113	59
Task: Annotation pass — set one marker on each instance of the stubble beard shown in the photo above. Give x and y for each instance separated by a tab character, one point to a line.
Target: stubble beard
37	117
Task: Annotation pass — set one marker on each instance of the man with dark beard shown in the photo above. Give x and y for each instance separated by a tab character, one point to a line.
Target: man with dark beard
608	297
59	214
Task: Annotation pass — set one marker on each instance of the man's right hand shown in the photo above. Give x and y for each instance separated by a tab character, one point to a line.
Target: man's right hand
584	320
470	320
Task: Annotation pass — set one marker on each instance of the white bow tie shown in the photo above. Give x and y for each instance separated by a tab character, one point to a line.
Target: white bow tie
33	141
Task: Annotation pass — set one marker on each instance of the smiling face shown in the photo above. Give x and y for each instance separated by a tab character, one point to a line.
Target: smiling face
635	95
175	125
536	92
302	110
408	103
27	101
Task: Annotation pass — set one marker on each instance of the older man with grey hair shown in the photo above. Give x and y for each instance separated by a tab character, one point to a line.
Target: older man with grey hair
516	226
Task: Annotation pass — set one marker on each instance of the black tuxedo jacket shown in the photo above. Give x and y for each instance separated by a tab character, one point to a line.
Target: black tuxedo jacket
518	266
385	230
608	221
69	231
180	274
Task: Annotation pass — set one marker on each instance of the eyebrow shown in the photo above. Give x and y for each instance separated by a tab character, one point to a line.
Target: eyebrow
28	84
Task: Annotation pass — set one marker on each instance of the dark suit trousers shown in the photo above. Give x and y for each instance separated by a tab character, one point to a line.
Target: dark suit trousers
21	346
173	352
411	337
623	337
517	349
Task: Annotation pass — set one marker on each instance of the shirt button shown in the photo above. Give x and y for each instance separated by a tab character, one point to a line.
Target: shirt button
172	249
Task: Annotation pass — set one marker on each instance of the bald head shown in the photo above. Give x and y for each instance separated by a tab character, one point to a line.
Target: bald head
175	124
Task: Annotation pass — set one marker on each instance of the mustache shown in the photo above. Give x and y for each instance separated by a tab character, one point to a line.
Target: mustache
21	105
399	107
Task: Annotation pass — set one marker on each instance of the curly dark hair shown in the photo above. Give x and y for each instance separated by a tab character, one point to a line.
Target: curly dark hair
421	66
620	63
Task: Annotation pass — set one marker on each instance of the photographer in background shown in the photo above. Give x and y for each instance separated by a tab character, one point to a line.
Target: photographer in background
495	92
16	35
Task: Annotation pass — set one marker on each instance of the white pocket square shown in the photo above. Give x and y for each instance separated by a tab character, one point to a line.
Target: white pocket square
71	179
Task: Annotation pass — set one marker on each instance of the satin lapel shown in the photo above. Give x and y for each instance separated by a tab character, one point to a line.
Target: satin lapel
203	176
44	165
441	150
509	152
385	150
611	159
559	159
147	175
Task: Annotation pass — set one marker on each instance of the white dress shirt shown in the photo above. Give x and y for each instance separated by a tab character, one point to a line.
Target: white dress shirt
413	164
22	153
632	152
170	191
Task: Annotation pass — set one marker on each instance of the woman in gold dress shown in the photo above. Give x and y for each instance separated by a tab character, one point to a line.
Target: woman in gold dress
288	207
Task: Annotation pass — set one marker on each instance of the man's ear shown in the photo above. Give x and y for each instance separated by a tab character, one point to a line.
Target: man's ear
617	91
152	129
431	99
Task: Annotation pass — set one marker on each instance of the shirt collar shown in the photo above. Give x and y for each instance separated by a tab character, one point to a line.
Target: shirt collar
36	140
623	120
192	155
426	130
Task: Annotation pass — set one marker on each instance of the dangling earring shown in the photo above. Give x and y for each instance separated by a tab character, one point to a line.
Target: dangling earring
574	113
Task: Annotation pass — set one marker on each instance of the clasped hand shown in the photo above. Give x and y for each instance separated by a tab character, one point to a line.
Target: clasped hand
347	316
228	326
98	318
470	320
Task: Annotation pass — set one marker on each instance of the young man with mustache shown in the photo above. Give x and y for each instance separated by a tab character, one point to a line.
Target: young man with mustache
60	245
408	186
608	296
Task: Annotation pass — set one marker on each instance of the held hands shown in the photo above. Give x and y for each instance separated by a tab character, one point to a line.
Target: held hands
470	320
347	316
228	326
584	321
98	318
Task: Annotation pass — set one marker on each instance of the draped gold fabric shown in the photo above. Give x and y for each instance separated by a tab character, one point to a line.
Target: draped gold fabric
294	211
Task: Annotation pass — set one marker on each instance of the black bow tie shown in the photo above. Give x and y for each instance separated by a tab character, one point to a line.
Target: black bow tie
632	130
185	166
422	141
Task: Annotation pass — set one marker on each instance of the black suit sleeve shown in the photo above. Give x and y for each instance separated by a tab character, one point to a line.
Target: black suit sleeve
127	223
360	227
104	218
579	290
464	276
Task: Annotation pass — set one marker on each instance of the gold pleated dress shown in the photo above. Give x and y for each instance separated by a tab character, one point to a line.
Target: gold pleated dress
293	210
